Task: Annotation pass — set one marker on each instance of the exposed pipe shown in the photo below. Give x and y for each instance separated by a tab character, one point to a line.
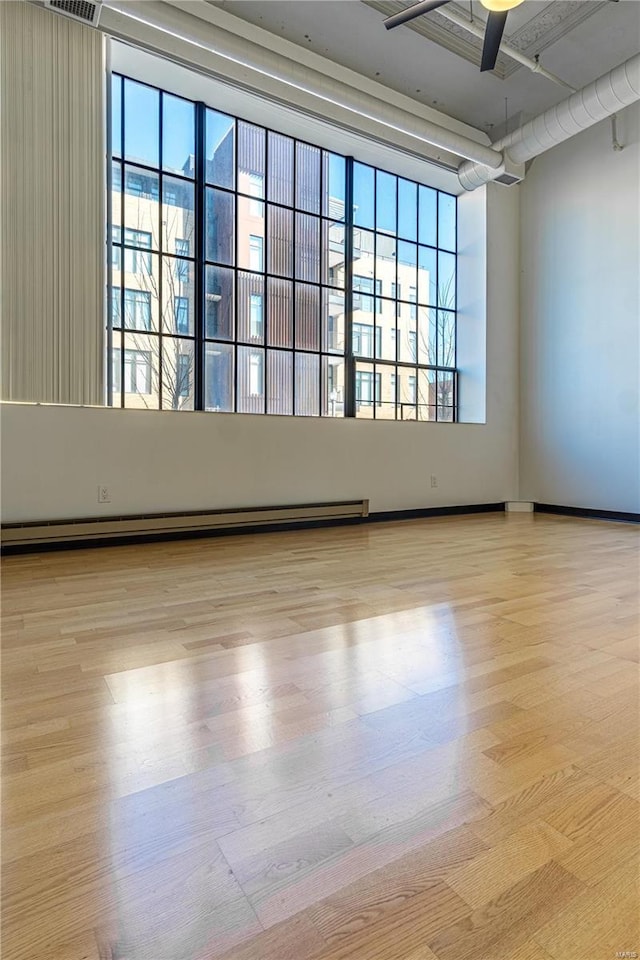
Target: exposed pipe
593	103
506	48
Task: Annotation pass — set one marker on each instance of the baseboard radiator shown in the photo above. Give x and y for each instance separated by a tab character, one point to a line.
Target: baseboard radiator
160	524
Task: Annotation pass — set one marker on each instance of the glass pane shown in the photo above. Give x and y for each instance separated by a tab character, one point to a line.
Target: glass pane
386	256
116	115
407	334
364	335
307	178
141	285
280	180
116	193
307	247
407	271
178	374
428	215
250	233
141	208
219	226
363	254
407	209
387	378
386	202
365	391
218	377
332	387
251	371
307	391
333	254
280	244
279	382
446	221
251	154
280	315
115	304
333	329
445	395
307	317
178	296
178	216
363	196
427	335
333	202
407	394
220	149
427	276
250	308
137	373
141	123
386	331
178	135
426	395
219	312
447	281
446	339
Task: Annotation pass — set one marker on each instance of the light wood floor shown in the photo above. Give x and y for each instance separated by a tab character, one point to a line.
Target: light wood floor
400	741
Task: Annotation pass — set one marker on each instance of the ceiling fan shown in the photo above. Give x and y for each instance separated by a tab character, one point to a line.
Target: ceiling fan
498	10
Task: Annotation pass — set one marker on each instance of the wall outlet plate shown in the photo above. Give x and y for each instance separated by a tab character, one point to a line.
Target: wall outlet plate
104	494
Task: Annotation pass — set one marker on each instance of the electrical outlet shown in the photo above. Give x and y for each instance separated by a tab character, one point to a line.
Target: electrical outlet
434	480
104	494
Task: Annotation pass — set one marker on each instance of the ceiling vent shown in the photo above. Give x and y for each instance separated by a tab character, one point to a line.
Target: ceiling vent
508	178
86	11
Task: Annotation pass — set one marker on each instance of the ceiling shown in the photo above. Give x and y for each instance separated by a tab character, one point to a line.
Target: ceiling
436	61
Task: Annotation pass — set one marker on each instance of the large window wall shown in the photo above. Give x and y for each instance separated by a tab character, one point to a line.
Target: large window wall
256	273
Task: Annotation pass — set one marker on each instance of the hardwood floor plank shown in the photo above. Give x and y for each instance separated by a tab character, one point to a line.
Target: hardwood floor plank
500	927
400	741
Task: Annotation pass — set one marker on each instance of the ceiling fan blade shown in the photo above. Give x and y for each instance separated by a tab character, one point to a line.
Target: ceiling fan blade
425	6
492	39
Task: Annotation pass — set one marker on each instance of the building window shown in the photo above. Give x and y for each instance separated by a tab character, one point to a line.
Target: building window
363	340
137	371
256	375
413	313
137	309
135	258
256	187
184	374
260	304
255	315
255	252
183	249
365	384
181	314
362	286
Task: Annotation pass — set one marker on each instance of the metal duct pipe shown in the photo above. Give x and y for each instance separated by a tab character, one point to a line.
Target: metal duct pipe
593	103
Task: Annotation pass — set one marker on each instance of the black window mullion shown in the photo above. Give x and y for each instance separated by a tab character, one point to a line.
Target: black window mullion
160	258
122	253
200	233
236	285
349	360
266	252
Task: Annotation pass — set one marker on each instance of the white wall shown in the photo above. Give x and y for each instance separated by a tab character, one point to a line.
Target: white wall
580	322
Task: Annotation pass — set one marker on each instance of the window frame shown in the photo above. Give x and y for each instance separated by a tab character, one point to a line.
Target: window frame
328	353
